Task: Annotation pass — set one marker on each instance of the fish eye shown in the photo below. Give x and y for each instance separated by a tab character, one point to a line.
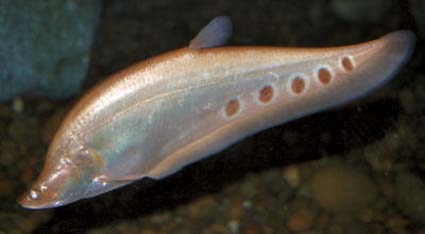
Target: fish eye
34	195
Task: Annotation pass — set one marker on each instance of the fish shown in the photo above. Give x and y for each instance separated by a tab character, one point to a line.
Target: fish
162	114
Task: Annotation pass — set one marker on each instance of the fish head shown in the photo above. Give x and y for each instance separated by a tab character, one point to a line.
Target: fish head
65	177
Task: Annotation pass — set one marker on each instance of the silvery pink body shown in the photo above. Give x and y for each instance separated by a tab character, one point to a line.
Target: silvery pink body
162	114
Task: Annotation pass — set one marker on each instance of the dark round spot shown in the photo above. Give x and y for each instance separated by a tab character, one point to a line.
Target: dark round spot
232	107
347	64
298	85
324	75
266	94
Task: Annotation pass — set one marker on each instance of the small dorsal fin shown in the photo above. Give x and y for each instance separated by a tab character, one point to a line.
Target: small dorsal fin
215	33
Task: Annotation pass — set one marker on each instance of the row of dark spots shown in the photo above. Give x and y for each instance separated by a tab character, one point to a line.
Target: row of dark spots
298	85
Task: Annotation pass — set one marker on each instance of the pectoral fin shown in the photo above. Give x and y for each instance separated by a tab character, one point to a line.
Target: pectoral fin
215	33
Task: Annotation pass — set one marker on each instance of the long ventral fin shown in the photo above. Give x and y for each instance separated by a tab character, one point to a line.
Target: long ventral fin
215	33
128	178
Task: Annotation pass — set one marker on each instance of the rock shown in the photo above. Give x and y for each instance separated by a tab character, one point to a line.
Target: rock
411	195
387	188
417	8
341	188
249	187
160	218
45	46
235	211
322	221
276	186
361	11
396	222
148	231
202	206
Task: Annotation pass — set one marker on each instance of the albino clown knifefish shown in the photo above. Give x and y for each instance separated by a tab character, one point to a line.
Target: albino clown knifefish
156	117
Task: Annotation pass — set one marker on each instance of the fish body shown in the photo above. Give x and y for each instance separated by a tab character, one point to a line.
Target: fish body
154	118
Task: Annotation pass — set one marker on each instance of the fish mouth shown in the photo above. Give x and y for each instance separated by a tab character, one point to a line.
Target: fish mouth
27	200
35	206
44	206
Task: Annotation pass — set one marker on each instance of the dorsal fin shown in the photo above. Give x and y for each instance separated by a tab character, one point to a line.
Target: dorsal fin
215	33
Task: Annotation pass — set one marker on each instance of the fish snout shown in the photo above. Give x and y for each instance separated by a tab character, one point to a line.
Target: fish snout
36	199
55	187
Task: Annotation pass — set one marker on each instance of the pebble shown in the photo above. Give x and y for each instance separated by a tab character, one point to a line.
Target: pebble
292	176
301	219
387	188
249	187
322	221
356	227
148	231
235	211
411	195
341	188
276	186
252	228
367	215
396	222
247	204
201	206
160	218
18	105
216	229
234	226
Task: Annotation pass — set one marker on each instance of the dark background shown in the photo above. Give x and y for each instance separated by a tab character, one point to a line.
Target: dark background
202	197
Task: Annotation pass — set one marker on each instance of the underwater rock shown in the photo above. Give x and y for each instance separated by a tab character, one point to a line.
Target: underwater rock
411	195
418	10
361	11
45	46
341	188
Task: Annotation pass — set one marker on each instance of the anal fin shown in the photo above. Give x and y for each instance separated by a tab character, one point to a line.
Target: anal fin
126	178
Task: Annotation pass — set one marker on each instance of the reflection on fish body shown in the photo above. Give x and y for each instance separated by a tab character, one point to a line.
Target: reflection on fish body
162	114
